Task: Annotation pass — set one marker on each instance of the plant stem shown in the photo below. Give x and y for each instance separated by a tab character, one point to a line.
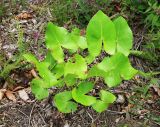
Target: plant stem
144	55
148	74
136	52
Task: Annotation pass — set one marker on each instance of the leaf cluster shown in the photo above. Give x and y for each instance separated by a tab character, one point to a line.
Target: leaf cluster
114	37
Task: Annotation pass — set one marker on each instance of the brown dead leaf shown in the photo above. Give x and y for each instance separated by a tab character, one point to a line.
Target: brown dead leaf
23	95
128	108
156	89
10	95
82	32
23	15
2	91
142	112
33	72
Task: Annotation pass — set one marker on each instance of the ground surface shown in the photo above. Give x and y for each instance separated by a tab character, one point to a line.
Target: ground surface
133	109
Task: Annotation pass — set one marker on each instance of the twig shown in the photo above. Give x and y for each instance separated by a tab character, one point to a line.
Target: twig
90	116
116	112
5	85
31	114
23	113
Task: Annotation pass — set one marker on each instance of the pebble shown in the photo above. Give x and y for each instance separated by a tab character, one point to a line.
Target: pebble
120	99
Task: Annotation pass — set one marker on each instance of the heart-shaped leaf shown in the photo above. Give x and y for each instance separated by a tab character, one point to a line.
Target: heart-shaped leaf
63	103
79	96
101	28
106	99
124	36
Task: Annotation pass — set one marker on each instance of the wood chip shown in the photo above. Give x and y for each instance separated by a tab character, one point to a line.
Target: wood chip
156	89
23	95
120	99
23	15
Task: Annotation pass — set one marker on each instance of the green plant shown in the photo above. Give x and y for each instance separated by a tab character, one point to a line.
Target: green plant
7	65
148	11
152	13
75	69
78	12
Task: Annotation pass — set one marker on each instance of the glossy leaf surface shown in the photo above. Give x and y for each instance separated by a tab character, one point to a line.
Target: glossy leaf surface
101	29
124	36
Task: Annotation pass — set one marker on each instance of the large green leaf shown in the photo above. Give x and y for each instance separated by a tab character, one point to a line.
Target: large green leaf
76	66
54	37
38	88
79	96
101	28
63	103
106	99
113	69
124	36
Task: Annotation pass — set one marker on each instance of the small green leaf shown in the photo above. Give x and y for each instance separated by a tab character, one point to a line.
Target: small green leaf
54	37
63	103
81	41
78	67
79	96
124	36
46	74
112	78
106	99
100	106
58	70
95	71
101	28
74	41
70	42
57	53
49	59
70	79
38	88
30	58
